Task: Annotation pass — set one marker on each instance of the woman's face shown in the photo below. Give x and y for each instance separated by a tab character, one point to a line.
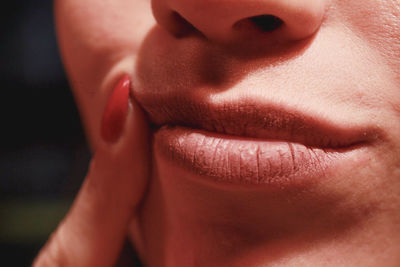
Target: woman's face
276	138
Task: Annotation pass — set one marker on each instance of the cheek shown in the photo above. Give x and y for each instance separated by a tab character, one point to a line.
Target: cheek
94	38
377	23
94	34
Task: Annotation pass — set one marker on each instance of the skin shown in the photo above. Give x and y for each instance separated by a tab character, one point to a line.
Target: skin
339	59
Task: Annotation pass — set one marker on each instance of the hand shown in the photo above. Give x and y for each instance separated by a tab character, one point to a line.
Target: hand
93	231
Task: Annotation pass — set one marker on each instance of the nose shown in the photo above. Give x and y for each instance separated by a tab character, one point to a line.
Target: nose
226	20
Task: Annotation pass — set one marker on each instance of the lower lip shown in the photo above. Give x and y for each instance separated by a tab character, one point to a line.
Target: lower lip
238	160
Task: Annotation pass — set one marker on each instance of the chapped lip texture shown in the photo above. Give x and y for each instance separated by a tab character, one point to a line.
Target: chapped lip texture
241	160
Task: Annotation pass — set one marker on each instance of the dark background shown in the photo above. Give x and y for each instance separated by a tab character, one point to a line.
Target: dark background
44	154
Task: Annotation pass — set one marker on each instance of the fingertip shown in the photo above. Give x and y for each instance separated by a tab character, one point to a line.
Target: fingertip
137	124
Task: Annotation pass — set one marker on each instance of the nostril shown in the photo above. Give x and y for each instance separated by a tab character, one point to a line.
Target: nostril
266	23
181	26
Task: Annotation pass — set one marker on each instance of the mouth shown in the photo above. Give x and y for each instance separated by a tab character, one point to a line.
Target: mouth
250	142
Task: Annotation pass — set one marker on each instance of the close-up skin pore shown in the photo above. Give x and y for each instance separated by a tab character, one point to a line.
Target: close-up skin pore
247	132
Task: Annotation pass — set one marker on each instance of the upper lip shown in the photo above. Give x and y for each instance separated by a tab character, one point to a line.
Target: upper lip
255	119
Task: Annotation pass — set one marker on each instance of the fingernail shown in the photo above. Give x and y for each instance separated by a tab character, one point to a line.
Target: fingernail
115	114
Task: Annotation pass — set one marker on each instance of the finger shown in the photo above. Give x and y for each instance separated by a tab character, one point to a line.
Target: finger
93	231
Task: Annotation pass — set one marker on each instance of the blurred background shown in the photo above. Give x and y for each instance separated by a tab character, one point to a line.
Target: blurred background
44	154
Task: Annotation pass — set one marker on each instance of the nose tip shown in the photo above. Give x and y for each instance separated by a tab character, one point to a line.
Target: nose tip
226	20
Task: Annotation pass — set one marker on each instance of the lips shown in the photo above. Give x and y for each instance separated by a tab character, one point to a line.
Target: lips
252	142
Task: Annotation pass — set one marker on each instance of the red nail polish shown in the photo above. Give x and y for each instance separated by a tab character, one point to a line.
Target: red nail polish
116	111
